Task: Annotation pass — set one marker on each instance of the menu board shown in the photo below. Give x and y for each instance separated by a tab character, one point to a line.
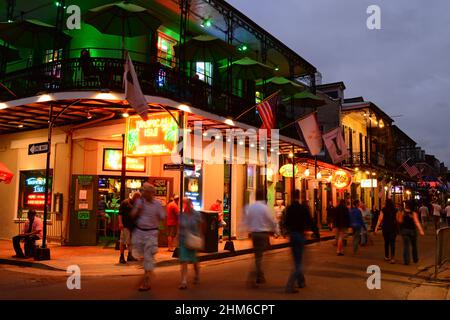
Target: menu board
162	189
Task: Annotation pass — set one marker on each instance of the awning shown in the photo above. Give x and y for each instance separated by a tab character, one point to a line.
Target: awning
5	174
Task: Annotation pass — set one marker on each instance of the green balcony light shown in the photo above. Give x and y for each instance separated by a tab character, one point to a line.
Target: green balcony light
277	68
243	48
58	4
206	23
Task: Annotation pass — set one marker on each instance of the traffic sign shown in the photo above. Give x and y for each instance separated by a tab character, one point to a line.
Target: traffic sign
37	148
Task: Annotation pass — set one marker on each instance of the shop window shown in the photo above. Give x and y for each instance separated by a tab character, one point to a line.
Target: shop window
193	186
166	52
32	191
204	71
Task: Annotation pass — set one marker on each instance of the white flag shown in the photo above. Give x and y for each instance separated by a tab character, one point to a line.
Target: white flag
311	132
334	141
133	92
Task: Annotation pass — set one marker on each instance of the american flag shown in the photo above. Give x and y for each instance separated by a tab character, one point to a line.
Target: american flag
266	110
411	170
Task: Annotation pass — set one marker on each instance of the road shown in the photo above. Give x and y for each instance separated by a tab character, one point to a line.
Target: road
327	277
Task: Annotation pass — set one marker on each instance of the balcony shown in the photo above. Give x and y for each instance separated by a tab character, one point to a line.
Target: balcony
360	159
156	79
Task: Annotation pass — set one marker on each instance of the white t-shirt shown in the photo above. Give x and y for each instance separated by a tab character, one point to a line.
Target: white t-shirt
423	211
437	209
447	211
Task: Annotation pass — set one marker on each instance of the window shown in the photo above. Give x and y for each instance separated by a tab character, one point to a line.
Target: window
166	52
55	69
32	191
48	56
204	71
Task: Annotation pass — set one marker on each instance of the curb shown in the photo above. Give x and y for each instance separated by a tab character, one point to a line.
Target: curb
173	261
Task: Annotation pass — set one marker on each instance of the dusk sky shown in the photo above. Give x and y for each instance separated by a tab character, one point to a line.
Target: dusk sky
404	68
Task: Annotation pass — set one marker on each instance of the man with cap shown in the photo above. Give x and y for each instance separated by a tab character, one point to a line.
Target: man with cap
148	213
173	212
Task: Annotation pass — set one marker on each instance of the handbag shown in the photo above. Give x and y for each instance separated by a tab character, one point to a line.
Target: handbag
194	241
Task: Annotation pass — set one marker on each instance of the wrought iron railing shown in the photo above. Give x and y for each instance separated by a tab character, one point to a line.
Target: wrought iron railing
156	79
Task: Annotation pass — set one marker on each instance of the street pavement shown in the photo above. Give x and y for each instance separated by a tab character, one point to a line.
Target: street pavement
328	276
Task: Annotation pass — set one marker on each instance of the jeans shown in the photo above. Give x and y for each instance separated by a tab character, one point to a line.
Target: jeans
389	243
297	246
448	221
409	238
356	238
29	245
260	244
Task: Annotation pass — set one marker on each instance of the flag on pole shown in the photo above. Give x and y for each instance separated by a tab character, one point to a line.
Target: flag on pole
335	144
411	170
133	92
266	110
310	129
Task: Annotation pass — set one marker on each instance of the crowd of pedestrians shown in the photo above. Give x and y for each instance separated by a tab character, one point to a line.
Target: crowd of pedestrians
141	215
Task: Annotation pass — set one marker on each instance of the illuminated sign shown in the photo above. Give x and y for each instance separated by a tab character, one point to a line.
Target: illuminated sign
286	170
112	161
341	179
36	199
369	183
38	184
156	136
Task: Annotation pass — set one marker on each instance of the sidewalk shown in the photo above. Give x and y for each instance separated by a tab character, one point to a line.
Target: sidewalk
96	260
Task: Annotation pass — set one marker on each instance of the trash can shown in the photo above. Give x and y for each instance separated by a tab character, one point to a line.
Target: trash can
211	231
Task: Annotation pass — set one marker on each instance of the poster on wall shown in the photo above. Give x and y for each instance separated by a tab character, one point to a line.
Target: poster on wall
193	186
154	137
112	161
162	189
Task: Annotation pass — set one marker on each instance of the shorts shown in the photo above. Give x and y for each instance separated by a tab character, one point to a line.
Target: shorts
145	244
125	236
172	231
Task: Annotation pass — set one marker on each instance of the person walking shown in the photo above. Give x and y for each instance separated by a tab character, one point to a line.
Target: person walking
424	214
298	219
341	224
190	222
217	206
447	213
126	226
173	211
279	212
357	224
408	222
437	211
388	223
260	223
148	214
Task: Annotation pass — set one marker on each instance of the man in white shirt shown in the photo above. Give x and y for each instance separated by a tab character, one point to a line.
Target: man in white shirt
447	213
424	213
437	210
32	231
260	223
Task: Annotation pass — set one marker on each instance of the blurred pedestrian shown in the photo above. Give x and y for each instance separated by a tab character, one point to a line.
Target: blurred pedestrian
190	229
148	213
424	214
375	213
260	223
298	219
126	226
357	224
279	212
341	225
447	213
437	212
409	222
217	206
330	215
173	212
388	223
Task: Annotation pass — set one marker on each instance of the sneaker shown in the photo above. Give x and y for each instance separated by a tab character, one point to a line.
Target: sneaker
122	259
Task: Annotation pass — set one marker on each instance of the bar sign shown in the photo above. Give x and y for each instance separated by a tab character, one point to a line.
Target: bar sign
37	148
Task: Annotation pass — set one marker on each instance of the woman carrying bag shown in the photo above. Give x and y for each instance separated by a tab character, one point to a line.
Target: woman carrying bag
409	221
190	241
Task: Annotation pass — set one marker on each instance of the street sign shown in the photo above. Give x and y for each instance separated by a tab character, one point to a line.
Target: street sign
37	148
178	166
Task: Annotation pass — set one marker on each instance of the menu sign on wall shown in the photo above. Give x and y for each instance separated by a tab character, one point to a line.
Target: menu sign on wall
156	136
112	161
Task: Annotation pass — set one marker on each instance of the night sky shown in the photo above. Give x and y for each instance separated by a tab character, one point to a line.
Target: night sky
404	68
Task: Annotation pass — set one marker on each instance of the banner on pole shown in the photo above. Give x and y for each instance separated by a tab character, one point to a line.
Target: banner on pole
311	133
335	144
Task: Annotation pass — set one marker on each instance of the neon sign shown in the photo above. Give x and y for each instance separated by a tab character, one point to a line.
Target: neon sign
341	179
112	161
286	170
156	136
36	200
38	184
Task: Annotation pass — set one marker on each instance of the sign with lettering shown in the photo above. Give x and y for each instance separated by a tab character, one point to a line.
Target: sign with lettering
112	161
177	167
341	179
37	148
156	136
